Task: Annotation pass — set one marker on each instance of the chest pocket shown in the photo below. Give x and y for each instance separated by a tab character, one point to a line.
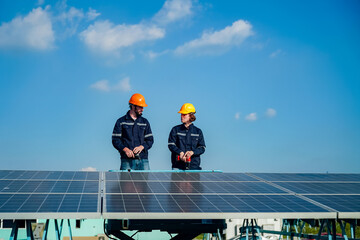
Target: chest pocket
127	130
194	140
181	138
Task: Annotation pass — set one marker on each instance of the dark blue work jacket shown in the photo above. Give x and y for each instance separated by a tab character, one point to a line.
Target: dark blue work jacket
182	139
129	133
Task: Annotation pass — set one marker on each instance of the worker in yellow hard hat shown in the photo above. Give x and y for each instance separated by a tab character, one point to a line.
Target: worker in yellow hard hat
186	142
132	136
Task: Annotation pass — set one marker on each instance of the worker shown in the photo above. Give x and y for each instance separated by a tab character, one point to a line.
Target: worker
186	142
132	136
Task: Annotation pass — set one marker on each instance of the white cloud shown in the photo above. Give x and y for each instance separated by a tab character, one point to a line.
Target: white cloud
92	14
237	116
153	55
232	35
123	85
104	85
173	10
72	14
275	54
40	2
32	31
88	169
72	18
270	113
251	117
104	36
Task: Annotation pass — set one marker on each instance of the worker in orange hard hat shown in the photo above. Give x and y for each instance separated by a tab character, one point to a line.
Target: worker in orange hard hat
186	142
132	136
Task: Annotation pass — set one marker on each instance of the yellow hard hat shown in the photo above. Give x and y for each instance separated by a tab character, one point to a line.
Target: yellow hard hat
138	100
187	108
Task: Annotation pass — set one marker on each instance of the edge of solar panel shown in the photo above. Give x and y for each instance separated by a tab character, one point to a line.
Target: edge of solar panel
262	215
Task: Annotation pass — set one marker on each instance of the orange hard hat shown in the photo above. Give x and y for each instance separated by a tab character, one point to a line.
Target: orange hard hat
138	100
187	108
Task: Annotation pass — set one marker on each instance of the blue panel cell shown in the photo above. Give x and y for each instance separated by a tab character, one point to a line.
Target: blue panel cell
341	203
321	187
282	177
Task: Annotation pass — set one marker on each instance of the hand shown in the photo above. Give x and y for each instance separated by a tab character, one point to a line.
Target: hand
182	157
188	154
138	149
128	152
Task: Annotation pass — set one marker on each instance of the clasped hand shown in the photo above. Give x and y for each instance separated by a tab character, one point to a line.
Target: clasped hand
136	150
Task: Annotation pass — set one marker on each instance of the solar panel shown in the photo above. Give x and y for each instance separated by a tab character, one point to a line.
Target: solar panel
348	206
179	176
321	187
49	194
312	177
200	195
48	175
189	187
177	195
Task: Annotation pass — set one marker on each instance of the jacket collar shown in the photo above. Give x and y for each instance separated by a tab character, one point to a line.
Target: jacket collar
128	117
190	126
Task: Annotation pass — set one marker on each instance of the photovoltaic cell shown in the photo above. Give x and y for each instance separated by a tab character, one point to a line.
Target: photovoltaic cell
321	188
27	186
208	203
312	177
189	187
54	203
341	203
176	176
48	175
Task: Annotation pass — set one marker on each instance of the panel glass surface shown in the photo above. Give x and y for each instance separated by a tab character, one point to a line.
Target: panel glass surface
48	175
321	187
341	203
189	187
48	203
35	186
175	176
283	177
170	203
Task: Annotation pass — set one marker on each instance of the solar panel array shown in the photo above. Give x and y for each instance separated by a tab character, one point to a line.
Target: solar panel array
177	195
49	194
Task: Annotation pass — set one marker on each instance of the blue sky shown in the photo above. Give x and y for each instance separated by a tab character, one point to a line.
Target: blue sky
276	84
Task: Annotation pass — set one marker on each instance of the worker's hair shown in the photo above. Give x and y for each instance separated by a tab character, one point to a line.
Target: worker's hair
130	105
192	117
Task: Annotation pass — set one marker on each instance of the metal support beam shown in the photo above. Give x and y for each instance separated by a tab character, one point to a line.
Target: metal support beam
333	223
46	230
57	232
320	229
14	231
343	229
70	233
29	231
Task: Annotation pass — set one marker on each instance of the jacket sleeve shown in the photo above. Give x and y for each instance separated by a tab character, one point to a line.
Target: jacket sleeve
116	137
200	149
148	138
172	142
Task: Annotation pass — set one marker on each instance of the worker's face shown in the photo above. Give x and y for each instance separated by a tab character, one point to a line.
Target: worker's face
185	118
138	110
